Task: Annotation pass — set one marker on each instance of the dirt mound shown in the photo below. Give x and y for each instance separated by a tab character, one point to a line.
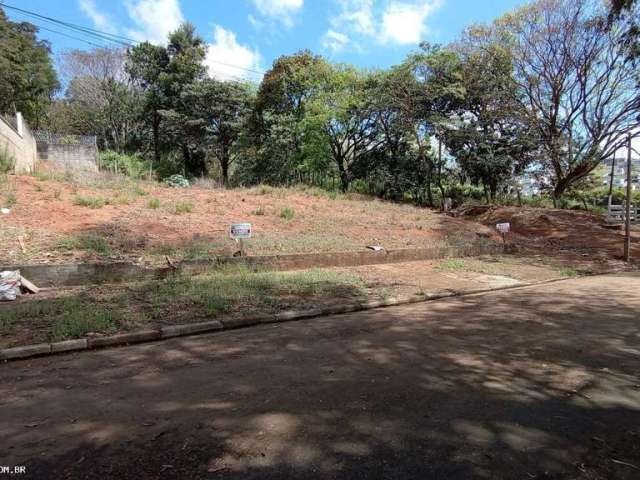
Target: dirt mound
559	231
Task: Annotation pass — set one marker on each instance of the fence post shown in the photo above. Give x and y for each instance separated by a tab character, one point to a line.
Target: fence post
627	222
20	124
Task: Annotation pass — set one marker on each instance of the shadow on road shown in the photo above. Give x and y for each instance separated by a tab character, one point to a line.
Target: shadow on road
537	383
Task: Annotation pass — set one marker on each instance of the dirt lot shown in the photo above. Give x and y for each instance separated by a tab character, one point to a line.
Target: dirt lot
105	218
536	383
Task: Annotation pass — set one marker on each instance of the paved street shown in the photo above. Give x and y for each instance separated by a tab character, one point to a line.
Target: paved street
535	383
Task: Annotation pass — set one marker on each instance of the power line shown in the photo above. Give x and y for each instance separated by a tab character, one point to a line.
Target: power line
96	35
104	35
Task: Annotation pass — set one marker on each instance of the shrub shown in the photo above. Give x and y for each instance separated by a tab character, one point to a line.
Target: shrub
184	207
259	211
177	181
287	213
153	203
90	242
10	199
129	165
91	202
7	162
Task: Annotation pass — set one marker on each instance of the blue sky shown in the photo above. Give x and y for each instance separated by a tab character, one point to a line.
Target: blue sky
252	33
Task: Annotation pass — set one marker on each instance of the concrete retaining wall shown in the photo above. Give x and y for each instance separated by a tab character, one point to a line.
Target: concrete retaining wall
19	143
88	274
69	156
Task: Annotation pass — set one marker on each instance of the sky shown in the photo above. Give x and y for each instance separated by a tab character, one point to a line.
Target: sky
246	36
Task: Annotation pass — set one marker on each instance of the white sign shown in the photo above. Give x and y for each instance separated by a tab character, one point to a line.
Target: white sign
503	227
240	231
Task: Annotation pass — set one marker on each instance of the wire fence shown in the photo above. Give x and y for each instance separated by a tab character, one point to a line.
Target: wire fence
44	136
10	120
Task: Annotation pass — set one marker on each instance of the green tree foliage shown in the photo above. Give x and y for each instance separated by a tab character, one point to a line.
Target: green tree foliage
216	113
27	78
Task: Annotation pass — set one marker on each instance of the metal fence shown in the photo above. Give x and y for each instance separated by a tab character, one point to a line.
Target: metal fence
10	120
44	136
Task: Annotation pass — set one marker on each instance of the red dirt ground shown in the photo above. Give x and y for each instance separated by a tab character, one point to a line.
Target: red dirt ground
44	215
569	233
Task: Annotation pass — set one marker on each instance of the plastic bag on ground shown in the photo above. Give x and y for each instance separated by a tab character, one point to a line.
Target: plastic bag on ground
9	285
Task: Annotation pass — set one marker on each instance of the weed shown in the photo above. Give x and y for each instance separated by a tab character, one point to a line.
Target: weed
10	199
569	272
57	194
90	242
183	207
259	211
221	291
7	162
287	213
153	203
265	189
452	264
139	191
77	322
91	202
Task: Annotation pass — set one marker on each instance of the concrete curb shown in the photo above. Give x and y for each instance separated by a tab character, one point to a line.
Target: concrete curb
42	349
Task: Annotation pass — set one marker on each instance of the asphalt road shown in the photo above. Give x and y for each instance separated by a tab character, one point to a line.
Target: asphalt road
534	383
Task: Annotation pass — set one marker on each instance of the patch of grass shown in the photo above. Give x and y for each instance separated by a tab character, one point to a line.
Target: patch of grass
89	242
122	199
568	272
220	292
259	211
7	162
183	207
90	202
153	203
452	264
82	319
287	213
139	191
10	200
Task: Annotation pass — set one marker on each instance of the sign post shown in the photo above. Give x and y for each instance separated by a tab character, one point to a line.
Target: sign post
503	228
240	232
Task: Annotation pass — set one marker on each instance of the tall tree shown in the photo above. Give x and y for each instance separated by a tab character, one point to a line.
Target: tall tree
345	112
101	95
27	78
216	113
573	84
163	73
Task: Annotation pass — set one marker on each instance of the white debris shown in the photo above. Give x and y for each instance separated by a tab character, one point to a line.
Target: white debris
9	285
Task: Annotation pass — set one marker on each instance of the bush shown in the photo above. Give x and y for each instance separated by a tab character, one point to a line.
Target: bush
154	203
91	202
7	162
177	181
184	207
287	213
130	165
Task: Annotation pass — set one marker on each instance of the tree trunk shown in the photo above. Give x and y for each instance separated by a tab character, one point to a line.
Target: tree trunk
156	138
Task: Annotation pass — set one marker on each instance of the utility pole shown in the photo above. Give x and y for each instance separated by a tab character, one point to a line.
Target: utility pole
627	219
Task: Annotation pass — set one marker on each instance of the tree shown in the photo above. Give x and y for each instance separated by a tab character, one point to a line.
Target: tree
163	73
278	130
573	84
217	111
27	78
101	95
344	111
489	138
425	92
